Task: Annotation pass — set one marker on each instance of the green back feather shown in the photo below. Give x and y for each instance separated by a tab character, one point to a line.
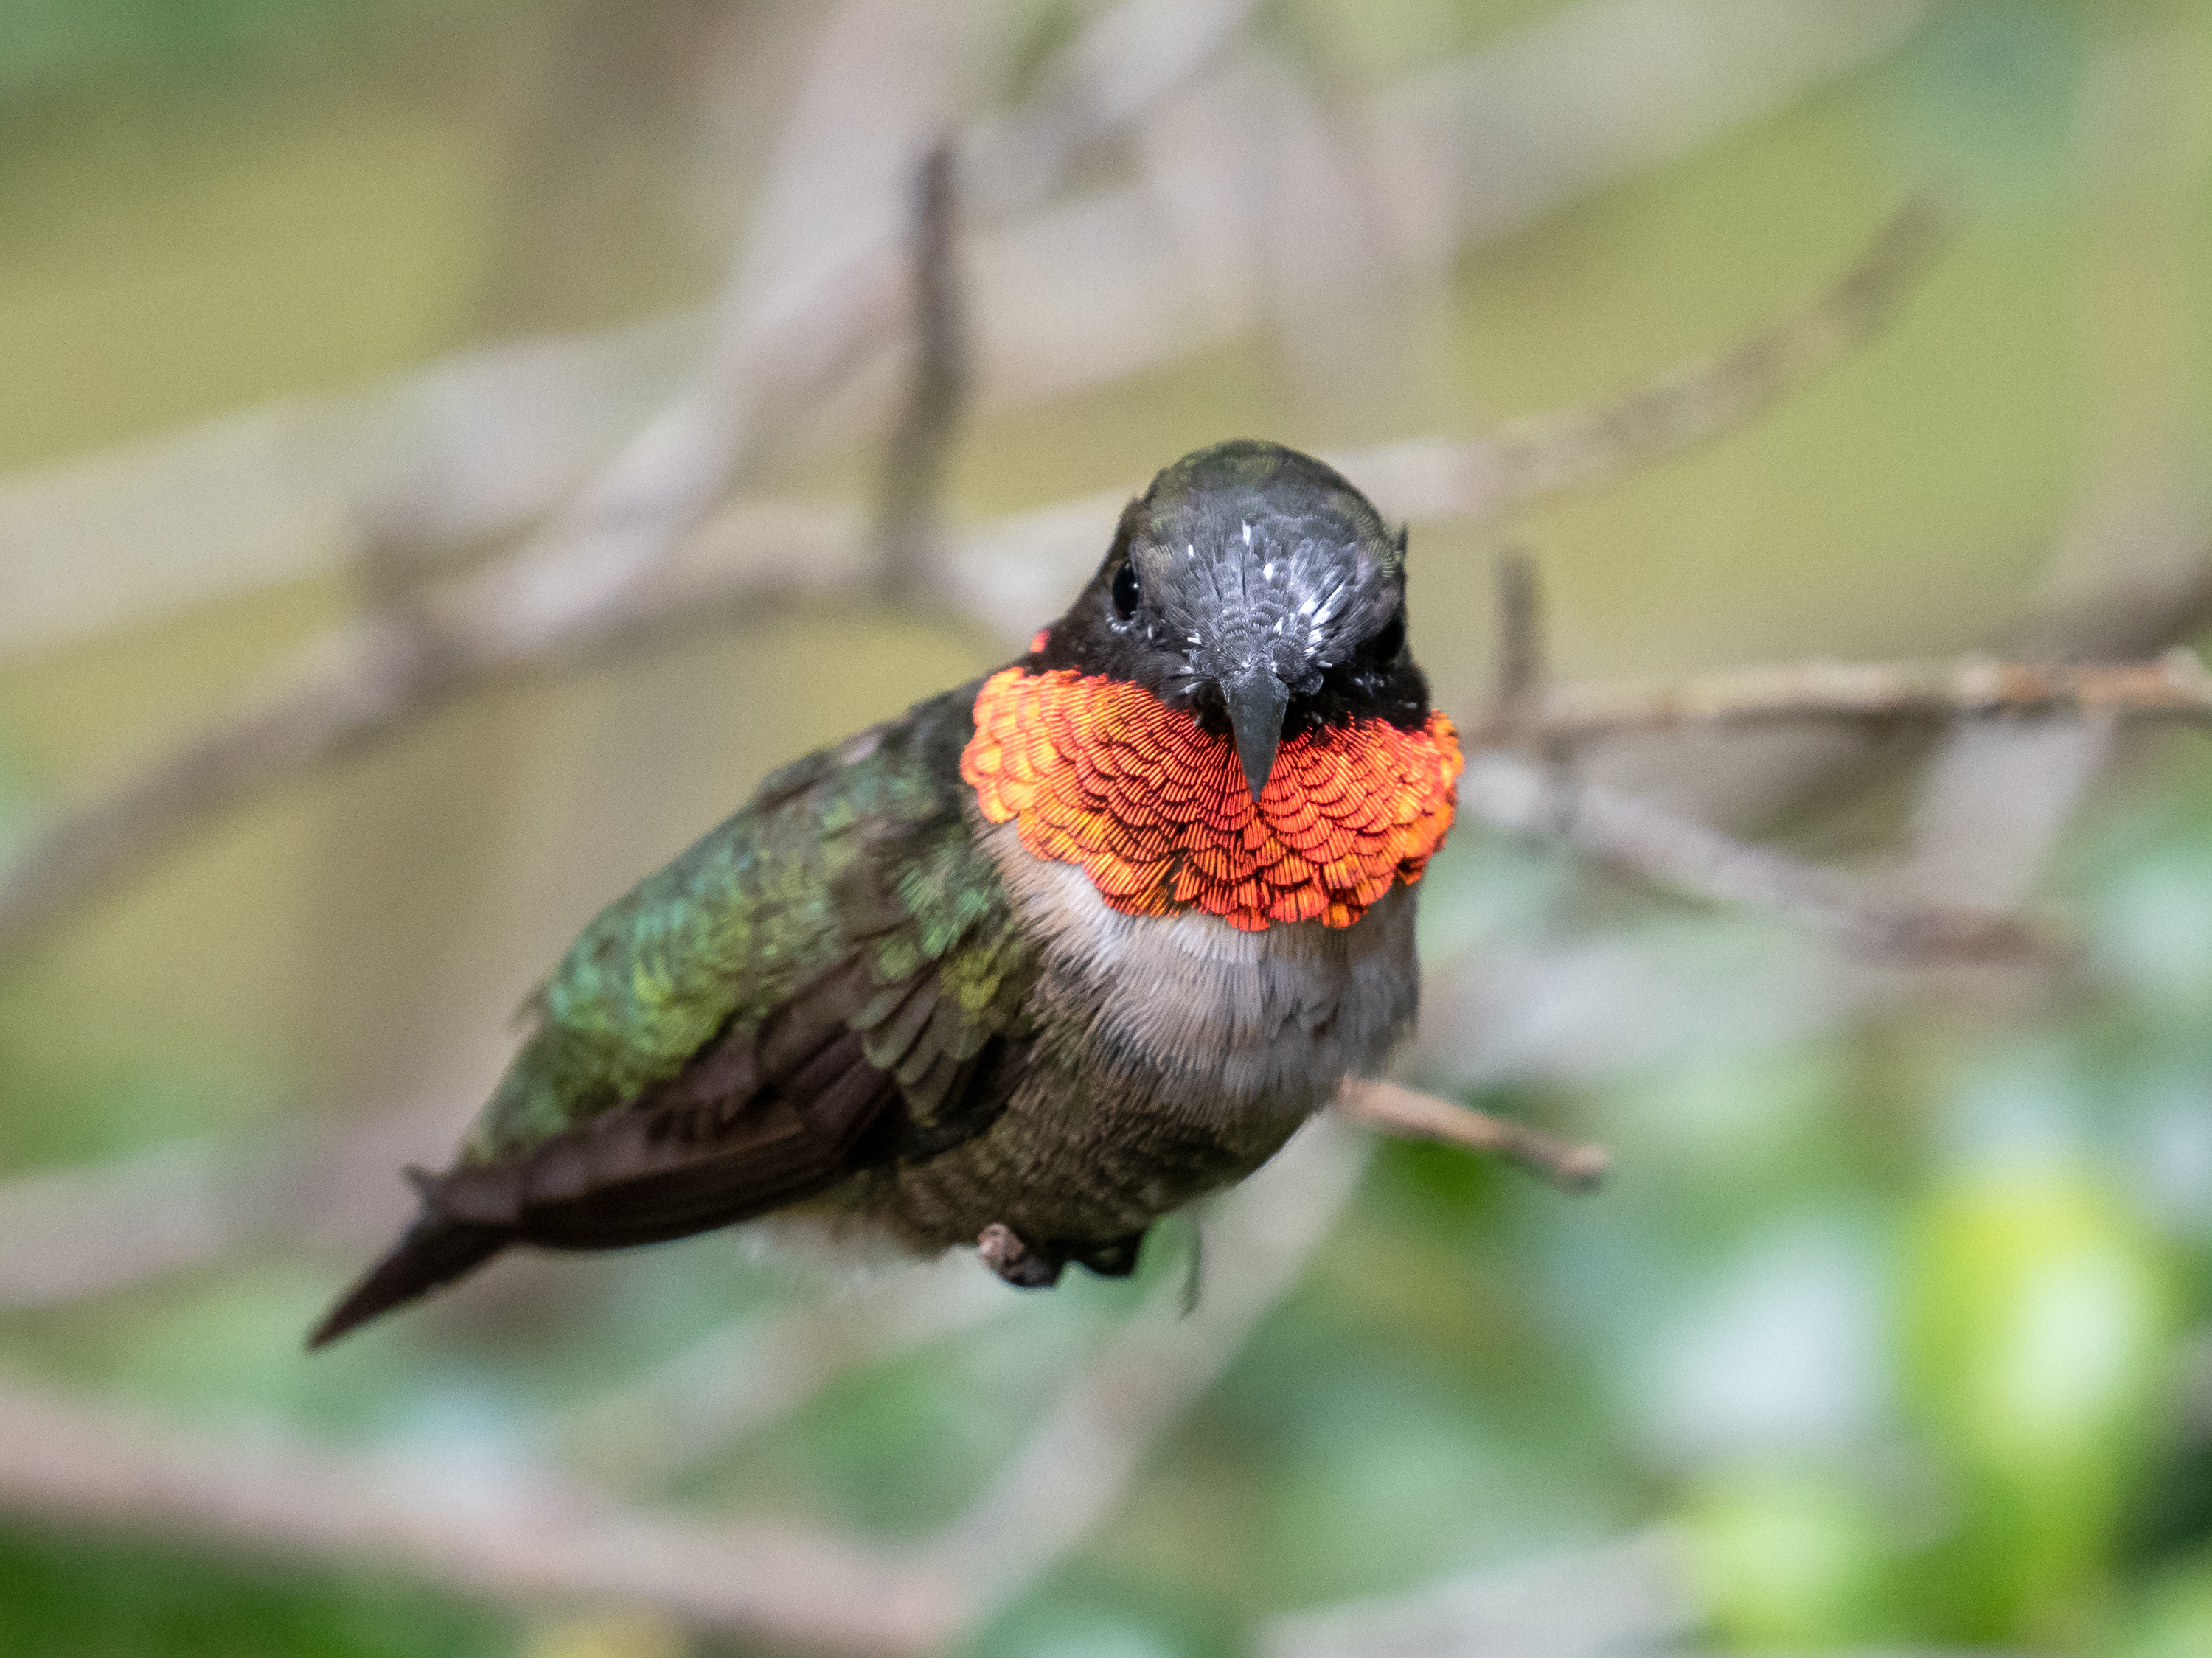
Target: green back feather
868	852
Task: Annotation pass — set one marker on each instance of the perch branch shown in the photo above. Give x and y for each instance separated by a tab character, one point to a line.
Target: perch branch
1510	794
1404	1114
2173	687
735	1381
908	523
520	1541
1579	448
579	585
1520	638
1070	1472
524	1539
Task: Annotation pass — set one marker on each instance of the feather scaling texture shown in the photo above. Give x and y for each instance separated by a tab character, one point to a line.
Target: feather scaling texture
859	853
1103	773
815	987
1030	963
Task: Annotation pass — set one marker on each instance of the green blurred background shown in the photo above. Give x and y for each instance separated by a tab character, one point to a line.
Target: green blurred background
1897	1319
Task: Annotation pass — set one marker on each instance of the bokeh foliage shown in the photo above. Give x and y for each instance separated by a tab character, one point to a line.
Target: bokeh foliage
1902	1320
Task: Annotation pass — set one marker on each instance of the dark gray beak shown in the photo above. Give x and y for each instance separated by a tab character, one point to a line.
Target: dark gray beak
1256	700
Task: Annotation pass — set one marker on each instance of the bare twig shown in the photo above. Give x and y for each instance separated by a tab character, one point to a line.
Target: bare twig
72	1232
525	1539
1124	64
582	583
1520	637
739	1380
491	441
1632	1595
1404	1114
907	520
1463	154
1577	448
1012	573
1993	801
2175	687
1078	1461
519	1540
1510	794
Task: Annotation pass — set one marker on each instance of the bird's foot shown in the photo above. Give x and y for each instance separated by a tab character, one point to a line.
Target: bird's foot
1117	1257
1025	1268
1038	1267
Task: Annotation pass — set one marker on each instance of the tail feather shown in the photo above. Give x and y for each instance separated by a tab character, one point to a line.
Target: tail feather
433	1252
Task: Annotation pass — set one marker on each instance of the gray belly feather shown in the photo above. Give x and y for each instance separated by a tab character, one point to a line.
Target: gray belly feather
1227	1024
1173	1055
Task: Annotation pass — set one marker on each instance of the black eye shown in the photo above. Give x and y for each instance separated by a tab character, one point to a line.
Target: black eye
1386	645
1125	594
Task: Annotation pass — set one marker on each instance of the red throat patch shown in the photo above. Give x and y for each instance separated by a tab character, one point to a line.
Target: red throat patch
1100	772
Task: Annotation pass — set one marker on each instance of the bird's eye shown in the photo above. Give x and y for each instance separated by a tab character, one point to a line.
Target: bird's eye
1385	646
1125	594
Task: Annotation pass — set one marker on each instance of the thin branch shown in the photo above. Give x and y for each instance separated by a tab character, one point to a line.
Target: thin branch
72	1232
1403	1114
1010	573
1126	63
523	1539
520	1540
1510	794
760	1369
1580	447
366	678
907	518
490	442
1520	637
583	583
1071	1472
2173	687
1634	1595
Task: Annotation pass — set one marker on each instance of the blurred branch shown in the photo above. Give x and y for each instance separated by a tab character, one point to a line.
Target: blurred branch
490	440
739	1380
76	1232
1520	640
1622	1598
1127	61
2175	686
1403	1114
522	1538
1456	156
1014	573
1070	1472
1578	447
73	1232
582	583
516	1540
908	518
1510	794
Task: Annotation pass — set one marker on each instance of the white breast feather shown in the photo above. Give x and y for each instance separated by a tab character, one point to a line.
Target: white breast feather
1229	1020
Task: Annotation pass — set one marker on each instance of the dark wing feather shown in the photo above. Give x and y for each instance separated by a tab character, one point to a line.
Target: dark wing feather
874	1055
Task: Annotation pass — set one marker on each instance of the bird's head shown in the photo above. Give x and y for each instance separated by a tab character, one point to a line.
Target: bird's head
1228	719
1256	588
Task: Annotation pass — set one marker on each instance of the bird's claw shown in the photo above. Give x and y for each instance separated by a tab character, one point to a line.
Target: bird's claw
1038	1267
1005	1253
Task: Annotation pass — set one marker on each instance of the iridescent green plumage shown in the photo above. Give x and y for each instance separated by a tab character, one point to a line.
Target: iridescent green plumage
859	996
813	989
860	849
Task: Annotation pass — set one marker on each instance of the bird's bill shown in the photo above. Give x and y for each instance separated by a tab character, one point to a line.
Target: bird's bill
1256	701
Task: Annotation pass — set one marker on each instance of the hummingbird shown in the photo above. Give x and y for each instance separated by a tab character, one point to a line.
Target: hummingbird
1044	959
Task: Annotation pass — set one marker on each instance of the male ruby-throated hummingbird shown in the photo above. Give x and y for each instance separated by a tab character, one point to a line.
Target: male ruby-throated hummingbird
1045	958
